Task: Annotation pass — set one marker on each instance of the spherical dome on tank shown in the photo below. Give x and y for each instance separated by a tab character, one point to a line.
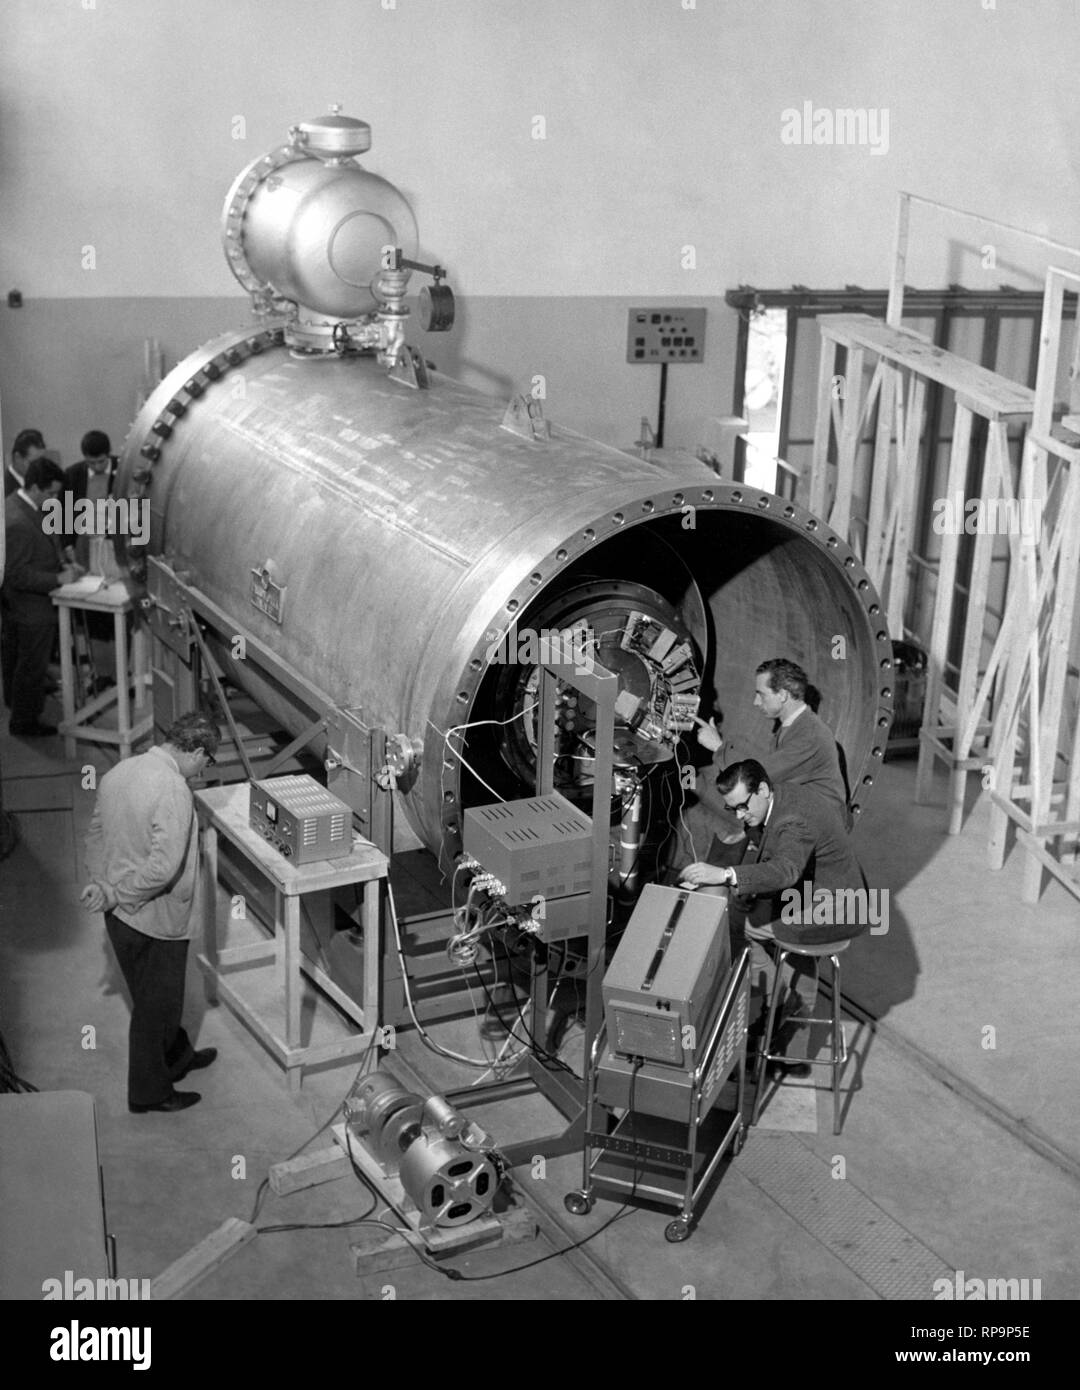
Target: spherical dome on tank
313	225
335	237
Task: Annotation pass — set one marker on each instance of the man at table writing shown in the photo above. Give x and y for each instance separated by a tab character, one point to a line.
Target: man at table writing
142	853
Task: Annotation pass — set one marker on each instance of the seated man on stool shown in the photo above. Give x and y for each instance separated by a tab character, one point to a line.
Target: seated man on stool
800	839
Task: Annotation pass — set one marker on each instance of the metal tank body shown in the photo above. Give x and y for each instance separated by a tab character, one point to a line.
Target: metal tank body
410	531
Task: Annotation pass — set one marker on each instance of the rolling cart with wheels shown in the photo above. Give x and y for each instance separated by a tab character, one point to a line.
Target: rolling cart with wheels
669	1138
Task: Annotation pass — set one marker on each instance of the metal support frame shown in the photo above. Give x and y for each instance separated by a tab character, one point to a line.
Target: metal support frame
566	1092
838	1049
677	1170
175	612
354	751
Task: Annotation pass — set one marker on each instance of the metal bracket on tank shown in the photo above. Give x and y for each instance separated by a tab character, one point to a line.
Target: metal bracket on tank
348	763
267	593
168	613
410	369
402	764
525	417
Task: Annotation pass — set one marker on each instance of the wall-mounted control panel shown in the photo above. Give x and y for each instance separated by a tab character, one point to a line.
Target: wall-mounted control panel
666	335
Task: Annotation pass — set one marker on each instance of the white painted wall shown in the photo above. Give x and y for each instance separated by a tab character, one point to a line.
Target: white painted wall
663	130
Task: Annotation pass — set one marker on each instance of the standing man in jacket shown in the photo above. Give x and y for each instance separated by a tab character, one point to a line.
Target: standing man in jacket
142	852
29	445
801	748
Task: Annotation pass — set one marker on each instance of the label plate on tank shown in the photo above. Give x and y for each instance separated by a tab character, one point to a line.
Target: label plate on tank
266	596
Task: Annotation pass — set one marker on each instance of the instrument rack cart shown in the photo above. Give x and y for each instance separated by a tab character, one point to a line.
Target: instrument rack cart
665	1152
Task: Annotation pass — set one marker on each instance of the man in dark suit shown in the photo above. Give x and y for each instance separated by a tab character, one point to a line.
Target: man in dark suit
33	568
29	445
800	879
91	478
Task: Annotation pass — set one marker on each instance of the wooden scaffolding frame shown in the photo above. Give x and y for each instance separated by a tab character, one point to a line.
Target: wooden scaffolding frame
964	702
1035	747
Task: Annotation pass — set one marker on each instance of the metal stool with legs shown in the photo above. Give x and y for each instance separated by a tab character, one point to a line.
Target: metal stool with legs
838	1053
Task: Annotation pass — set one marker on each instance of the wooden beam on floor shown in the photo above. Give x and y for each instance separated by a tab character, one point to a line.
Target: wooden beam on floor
202	1259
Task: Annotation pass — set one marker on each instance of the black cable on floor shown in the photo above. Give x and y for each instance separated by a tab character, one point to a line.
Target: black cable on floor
260	1193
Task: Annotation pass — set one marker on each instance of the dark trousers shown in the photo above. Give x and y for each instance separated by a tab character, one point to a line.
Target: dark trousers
158	1047
800	978
26	649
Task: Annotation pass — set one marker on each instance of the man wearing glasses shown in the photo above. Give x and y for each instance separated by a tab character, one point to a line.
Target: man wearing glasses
800	839
142	852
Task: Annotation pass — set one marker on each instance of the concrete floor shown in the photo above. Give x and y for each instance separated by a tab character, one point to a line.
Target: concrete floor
953	1155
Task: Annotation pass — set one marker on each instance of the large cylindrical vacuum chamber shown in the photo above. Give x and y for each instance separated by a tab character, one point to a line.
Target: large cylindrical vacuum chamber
410	531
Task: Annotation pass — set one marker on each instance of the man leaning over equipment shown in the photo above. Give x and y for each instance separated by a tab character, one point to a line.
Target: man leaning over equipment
142	852
797	838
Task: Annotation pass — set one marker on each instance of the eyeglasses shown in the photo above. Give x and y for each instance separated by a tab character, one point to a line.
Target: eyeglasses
742	807
211	761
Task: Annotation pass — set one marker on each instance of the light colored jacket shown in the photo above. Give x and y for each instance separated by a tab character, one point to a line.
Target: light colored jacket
143	847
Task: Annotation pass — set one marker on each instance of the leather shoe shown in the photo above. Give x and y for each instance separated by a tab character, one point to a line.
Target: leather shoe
783	1069
179	1100
200	1059
35	730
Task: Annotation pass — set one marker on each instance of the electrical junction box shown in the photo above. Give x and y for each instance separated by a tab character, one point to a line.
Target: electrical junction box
666	335
301	819
541	845
667	976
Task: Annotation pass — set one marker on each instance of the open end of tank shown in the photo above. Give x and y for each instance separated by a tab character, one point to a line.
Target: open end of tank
736	589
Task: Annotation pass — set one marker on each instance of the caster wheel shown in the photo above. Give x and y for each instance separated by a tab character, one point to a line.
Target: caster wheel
678	1230
578	1204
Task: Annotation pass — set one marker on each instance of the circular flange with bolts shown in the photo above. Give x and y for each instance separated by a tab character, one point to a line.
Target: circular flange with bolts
579	1203
677	1230
232	219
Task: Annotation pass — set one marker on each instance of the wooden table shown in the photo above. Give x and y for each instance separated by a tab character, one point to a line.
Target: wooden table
77	725
224	811
50	1192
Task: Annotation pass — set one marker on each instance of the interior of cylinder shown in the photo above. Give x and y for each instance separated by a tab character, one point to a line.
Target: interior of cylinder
739	589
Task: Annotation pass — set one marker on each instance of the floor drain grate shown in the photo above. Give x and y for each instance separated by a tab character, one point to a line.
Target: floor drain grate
893	1262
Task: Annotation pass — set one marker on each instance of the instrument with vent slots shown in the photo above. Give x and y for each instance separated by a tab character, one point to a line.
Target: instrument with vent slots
674	1036
302	820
